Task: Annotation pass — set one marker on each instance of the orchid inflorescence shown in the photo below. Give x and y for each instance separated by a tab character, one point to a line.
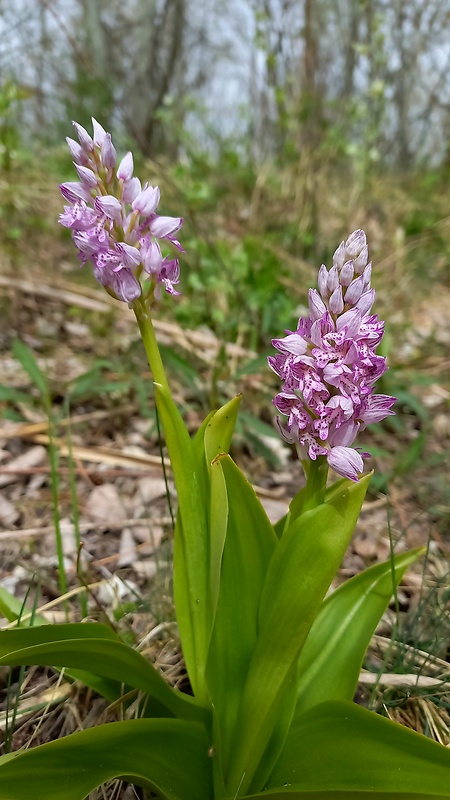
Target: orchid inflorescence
329	364
114	222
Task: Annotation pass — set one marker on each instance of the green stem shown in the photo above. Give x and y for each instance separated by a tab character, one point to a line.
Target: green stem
316	482
151	345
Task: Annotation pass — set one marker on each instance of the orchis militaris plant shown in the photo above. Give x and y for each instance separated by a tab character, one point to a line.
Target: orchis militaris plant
273	664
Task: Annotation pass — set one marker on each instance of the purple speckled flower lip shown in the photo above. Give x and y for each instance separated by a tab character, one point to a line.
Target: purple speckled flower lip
114	222
329	365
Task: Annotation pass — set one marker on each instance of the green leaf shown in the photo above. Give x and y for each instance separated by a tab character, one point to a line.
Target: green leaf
13	609
18	638
197	556
168	757
405	398
73	646
180	366
409	458
10	395
218	524
296	506
217	440
331	659
219	430
255	365
249	545
341	747
191	580
304	564
30	365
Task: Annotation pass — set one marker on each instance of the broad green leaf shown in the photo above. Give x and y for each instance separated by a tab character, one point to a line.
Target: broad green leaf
339	746
249	545
331	659
108	688
218	524
107	657
280	526
297	503
198	439
217	440
191	580
168	757
13	609
302	568
196	557
27	637
219	429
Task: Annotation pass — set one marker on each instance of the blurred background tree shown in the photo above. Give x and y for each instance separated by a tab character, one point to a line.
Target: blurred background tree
284	75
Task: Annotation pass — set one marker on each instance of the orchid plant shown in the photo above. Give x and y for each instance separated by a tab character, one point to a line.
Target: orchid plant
273	662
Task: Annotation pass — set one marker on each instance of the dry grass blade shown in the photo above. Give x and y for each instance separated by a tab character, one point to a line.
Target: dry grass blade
101	455
424	716
421	658
36	702
27	430
395	679
34	533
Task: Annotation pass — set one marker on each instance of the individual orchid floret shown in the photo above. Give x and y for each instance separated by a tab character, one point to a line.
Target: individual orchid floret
329	365
114	223
99	133
125	168
73	191
108	152
87	176
85	139
146	201
349	277
77	152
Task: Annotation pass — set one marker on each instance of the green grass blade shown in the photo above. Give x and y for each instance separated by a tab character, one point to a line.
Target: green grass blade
168	757
27	360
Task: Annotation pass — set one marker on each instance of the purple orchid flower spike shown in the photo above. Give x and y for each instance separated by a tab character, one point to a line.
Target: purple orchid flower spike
114	223
329	365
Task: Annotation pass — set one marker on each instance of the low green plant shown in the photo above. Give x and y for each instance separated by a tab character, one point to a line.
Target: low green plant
272	665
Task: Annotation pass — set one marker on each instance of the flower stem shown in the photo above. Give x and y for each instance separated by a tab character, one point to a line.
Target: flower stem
316	482
147	332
